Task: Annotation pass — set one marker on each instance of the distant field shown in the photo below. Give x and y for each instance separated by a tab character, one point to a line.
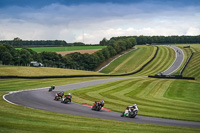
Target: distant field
59	49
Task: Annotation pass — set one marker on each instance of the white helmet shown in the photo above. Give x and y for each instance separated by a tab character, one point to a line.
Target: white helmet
135	105
69	94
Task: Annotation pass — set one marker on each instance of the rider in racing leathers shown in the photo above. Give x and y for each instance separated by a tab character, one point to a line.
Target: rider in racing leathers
129	107
69	95
101	102
60	94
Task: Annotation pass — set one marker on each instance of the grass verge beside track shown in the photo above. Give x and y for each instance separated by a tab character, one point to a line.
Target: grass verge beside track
155	97
41	71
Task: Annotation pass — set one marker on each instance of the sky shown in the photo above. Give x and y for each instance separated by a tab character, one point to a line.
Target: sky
89	21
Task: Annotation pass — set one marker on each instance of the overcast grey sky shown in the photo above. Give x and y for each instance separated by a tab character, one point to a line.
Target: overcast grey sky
70	20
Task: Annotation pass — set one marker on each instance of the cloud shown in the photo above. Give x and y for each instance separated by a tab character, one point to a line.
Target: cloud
92	22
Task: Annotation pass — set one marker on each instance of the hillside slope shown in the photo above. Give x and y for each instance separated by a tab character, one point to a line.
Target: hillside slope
193	68
130	62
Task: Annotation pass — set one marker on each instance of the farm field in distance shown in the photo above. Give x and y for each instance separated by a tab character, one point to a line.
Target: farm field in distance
60	49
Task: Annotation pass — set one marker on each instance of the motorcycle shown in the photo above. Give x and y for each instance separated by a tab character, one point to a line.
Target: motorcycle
98	105
66	99
51	88
58	96
132	112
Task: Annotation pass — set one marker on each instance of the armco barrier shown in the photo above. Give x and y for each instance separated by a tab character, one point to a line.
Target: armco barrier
172	77
76	76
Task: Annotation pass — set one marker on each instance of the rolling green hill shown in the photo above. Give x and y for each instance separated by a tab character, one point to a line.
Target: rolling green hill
136	59
131	61
160	63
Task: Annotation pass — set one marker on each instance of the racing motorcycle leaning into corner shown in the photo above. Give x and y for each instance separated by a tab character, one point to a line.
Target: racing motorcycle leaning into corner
131	111
52	88
98	105
59	95
67	98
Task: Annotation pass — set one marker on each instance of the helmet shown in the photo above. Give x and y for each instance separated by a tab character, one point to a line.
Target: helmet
134	104
69	94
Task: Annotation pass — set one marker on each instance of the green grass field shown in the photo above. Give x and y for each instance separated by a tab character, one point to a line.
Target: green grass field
193	68
41	71
155	97
130	62
59	49
20	119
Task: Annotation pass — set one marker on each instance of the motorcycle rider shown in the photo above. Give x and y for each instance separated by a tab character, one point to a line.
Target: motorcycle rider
60	94
101	102
69	95
53	87
126	112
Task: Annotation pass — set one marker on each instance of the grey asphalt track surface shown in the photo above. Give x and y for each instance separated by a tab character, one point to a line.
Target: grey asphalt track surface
177	63
43	100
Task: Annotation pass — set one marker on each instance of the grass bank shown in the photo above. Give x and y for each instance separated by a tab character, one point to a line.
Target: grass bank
41	71
192	69
130	62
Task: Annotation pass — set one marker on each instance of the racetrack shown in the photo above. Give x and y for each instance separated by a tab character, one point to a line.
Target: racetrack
43	100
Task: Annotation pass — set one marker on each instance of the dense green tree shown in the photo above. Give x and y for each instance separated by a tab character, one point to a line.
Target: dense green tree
106	53
103	42
6	58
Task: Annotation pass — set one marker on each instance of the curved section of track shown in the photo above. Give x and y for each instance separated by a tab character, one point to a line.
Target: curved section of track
177	63
43	100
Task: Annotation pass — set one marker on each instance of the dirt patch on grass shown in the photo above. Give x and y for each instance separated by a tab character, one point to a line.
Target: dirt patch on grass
90	51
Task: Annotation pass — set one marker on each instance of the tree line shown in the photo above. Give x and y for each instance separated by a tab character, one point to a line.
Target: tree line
19	43
159	39
11	56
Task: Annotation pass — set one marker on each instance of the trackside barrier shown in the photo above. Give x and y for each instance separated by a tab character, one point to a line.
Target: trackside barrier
76	76
172	77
